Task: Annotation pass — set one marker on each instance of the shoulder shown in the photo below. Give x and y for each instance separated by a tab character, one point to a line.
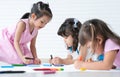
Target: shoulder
21	25
110	45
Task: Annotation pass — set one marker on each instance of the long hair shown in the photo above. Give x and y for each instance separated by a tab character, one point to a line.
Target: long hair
39	9
70	26
94	27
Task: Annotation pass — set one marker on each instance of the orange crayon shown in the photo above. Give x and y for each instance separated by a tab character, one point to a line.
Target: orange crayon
80	58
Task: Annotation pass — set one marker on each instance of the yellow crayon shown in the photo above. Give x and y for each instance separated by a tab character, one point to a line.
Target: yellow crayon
83	69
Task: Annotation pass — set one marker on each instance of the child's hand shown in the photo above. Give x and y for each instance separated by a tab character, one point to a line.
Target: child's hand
78	64
26	61
57	60
37	61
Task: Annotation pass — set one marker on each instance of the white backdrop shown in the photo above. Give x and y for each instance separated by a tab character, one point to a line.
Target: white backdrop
48	42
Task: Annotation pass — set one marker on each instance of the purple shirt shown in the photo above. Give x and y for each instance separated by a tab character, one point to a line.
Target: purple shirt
111	45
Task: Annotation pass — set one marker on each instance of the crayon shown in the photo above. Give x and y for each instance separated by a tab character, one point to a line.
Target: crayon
51	57
18	65
10	71
49	72
32	65
47	64
42	69
29	58
57	69
48	69
82	69
58	65
7	66
80	58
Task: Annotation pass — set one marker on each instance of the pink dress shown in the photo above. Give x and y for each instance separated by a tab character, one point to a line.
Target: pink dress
109	46
8	53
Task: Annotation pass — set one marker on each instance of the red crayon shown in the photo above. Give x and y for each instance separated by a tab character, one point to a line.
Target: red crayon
42	69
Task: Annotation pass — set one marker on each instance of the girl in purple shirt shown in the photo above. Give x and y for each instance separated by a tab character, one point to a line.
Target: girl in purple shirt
97	36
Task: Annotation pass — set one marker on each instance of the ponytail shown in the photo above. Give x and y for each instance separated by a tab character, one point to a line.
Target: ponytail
26	15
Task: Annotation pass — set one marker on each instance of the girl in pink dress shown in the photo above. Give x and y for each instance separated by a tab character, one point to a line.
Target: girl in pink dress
97	36
14	40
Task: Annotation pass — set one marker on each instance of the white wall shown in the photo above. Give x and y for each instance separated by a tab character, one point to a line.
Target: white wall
48	42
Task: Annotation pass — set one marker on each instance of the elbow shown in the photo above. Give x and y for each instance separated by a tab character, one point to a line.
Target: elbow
107	67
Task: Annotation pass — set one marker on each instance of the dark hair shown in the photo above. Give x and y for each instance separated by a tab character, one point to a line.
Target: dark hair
39	9
71	26
94	27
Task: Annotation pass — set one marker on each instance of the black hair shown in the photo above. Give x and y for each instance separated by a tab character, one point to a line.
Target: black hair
71	26
39	9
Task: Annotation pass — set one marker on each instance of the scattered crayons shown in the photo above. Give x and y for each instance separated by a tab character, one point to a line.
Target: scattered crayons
57	69
48	69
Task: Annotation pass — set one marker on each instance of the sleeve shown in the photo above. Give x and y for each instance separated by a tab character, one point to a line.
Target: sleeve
110	45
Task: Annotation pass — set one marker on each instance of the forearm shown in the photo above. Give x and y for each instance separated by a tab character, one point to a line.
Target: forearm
18	49
68	61
33	51
96	65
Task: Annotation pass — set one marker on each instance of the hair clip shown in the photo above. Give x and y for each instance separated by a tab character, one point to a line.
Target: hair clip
39	6
90	24
75	23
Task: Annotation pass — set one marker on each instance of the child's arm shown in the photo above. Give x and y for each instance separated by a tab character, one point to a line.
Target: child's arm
106	64
83	52
32	47
19	30
33	50
68	60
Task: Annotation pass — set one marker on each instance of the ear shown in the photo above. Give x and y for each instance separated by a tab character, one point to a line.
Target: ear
99	39
33	16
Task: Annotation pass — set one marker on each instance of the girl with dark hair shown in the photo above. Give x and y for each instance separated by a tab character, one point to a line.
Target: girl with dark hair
69	30
101	40
13	41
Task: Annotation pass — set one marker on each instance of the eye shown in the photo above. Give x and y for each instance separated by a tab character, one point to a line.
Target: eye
42	22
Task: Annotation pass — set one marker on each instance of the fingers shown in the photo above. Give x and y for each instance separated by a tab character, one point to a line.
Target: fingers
27	61
37	61
56	60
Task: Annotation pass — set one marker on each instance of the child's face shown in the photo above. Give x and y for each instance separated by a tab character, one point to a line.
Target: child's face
68	40
41	22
